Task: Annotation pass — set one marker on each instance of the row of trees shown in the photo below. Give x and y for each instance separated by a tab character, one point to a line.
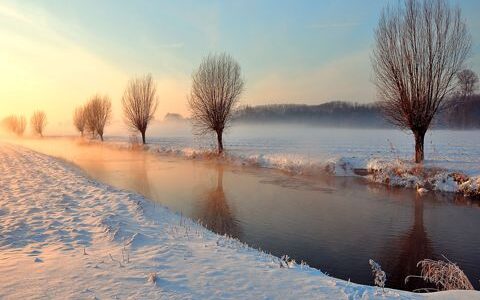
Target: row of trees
93	116
139	105
464	113
216	88
420	50
18	124
419	54
335	114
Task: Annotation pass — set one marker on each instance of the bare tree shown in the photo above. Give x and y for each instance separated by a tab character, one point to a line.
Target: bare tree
90	119
419	49
140	103
79	119
98	112
467	83
9	123
21	125
38	121
15	124
216	88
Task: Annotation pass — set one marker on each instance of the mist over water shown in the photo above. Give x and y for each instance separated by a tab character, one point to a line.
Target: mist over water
304	144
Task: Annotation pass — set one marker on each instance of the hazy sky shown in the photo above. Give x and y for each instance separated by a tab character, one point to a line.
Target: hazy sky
55	54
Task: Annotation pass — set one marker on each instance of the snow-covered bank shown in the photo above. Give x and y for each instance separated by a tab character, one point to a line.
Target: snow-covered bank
390	171
66	236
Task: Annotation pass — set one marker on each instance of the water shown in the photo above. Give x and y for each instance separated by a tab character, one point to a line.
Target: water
335	224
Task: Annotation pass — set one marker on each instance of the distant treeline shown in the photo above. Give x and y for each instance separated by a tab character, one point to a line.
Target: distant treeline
464	115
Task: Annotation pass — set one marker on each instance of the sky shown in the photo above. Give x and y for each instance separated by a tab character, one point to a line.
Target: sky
54	55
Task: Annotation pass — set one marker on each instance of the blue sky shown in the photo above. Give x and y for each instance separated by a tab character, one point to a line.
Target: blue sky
290	51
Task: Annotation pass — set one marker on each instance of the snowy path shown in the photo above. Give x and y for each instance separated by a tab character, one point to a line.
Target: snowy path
63	235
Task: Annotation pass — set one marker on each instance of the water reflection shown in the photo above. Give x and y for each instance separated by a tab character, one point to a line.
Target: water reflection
413	246
214	211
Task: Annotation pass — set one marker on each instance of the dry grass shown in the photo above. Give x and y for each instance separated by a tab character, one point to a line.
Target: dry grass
445	275
152	277
379	276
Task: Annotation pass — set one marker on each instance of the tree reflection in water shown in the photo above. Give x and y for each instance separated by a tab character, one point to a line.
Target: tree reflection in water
214	211
414	246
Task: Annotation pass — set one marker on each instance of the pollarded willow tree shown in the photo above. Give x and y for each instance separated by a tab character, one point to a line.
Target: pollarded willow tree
15	124
80	119
38	121
98	112
216	88
140	103
420	47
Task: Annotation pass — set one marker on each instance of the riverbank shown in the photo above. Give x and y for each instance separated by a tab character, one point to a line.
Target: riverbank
64	235
442	176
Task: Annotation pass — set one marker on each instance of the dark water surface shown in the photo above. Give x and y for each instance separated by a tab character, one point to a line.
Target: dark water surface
334	224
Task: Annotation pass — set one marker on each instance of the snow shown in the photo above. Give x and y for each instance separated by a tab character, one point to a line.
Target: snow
422	177
63	235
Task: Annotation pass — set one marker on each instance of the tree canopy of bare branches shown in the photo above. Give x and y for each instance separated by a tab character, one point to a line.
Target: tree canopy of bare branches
79	119
420	47
140	103
98	112
15	124
38	121
216	88
467	83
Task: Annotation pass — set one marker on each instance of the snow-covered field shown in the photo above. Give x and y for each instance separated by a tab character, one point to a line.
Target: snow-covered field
63	236
452	157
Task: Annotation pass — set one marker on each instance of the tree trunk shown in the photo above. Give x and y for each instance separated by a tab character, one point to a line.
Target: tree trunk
220	141
419	149
143	136
101	137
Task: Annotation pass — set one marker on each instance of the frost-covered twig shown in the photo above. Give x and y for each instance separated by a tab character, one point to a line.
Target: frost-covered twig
125	255
379	275
152	277
287	262
114	260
